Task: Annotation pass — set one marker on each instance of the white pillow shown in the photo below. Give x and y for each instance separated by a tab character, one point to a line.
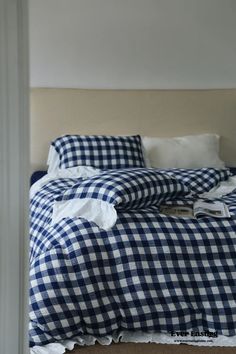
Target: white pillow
53	160
192	151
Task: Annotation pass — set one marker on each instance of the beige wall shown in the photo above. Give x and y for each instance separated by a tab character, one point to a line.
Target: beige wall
147	112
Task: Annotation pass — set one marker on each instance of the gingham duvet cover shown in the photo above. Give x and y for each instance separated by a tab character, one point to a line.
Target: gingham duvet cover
151	272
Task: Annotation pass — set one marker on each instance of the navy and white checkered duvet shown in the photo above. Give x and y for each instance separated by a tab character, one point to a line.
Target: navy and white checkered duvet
151	272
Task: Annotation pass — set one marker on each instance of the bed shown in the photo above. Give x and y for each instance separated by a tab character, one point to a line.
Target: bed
123	270
160	113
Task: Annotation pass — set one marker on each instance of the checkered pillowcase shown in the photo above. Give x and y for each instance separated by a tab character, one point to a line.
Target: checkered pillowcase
199	180
104	152
128	188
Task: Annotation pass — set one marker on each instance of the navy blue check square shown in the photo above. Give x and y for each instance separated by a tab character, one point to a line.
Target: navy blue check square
104	152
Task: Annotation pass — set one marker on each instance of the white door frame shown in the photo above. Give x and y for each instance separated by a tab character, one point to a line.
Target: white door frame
14	176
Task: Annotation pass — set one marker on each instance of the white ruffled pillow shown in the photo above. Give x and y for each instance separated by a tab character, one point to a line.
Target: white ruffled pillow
192	151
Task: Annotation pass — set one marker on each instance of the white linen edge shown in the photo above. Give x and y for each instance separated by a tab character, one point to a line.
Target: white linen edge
102	213
53	160
127	337
73	172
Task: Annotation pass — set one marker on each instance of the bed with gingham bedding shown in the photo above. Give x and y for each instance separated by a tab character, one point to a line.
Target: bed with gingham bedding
150	272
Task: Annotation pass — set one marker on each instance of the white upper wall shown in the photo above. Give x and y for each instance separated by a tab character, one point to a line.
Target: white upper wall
134	44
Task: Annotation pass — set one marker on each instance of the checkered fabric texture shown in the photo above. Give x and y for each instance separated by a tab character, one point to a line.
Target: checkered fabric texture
199	180
128	188
104	152
151	272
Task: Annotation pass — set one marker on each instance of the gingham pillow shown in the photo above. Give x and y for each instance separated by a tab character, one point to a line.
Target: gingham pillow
199	180
104	152
98	197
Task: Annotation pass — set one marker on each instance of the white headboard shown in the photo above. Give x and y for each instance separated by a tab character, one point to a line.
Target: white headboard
147	112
